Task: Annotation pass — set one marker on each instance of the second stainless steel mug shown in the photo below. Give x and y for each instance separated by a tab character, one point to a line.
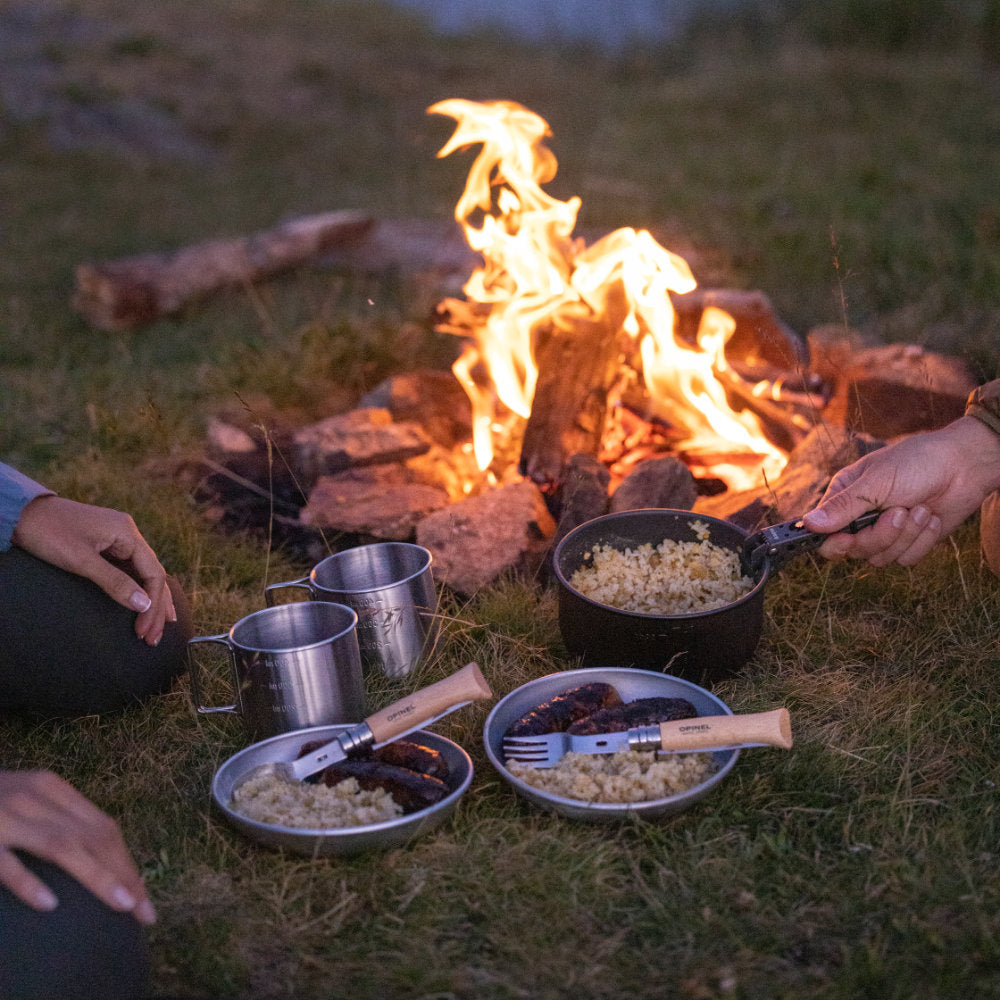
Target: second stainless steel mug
390	587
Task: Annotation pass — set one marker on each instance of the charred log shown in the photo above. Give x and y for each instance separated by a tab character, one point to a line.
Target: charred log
577	366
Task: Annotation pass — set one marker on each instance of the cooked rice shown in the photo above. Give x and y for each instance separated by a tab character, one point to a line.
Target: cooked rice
270	798
625	776
674	578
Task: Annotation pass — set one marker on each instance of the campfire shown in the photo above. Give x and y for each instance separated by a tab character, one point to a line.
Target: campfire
570	348
590	376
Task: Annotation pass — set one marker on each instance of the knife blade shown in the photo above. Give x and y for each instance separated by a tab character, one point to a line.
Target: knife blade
415	711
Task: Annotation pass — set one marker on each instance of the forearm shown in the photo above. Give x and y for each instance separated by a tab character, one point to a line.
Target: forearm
977	448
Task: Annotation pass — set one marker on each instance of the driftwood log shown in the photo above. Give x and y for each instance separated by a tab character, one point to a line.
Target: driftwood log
130	292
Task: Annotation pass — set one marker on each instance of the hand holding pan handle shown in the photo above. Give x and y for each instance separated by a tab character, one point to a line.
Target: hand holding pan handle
779	543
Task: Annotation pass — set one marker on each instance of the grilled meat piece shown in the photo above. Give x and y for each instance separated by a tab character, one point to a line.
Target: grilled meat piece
641	712
403	753
560	712
410	789
415	756
414	775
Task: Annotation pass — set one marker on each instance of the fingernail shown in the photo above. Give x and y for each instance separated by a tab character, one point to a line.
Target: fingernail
123	899
921	515
140	601
899	518
145	913
818	518
45	899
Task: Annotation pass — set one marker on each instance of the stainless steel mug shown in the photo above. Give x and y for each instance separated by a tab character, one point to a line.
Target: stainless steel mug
390	587
293	666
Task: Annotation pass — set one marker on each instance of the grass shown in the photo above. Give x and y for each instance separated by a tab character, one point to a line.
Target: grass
853	183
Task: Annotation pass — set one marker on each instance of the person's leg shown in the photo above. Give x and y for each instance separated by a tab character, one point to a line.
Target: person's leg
81	950
989	531
67	649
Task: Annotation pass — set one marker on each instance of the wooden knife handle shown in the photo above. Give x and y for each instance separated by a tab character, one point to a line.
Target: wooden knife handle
467	684
773	728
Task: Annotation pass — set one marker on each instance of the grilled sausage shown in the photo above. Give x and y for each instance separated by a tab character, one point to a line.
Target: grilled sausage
402	753
409	789
398	767
641	712
415	756
557	714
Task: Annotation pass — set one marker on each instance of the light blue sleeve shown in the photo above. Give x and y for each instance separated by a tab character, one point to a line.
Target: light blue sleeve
16	489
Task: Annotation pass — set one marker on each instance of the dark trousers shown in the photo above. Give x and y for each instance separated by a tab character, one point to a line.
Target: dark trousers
81	950
67	649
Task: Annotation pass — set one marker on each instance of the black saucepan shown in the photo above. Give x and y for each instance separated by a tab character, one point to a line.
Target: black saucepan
703	647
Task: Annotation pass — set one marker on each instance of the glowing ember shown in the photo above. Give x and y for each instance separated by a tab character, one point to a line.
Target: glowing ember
536	277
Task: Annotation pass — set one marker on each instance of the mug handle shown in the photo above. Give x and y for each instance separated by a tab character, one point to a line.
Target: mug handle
269	590
193	669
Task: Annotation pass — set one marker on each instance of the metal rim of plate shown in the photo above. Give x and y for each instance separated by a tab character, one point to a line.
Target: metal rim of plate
631	684
342	840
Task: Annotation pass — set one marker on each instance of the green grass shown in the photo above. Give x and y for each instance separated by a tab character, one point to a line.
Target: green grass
854	183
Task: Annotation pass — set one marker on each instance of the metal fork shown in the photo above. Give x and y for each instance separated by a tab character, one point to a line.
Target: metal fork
705	733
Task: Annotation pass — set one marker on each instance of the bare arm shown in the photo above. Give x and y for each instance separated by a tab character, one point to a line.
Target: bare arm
45	816
77	537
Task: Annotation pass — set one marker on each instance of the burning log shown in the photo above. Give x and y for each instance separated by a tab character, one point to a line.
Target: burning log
584	494
825	450
577	366
133	291
787	421
760	336
657	482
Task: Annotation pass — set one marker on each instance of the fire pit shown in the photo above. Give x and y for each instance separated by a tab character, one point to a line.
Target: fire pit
590	377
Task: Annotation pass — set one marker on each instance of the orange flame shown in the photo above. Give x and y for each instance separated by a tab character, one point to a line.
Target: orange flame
534	270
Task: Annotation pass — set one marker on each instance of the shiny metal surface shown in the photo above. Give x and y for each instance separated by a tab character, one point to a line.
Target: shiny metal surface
631	684
391	588
292	666
351	840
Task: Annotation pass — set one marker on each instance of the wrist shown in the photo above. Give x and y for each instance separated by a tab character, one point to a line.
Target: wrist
977	438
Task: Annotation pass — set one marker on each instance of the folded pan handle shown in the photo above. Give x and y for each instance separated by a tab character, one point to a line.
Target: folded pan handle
779	543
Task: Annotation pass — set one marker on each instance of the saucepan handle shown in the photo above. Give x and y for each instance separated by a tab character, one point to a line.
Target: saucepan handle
779	543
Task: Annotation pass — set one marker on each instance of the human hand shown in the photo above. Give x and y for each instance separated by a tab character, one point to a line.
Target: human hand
42	814
926	485
81	538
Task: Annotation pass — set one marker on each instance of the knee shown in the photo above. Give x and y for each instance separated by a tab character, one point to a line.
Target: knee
85	657
81	949
133	671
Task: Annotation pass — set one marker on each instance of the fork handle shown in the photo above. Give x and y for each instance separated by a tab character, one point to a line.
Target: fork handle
773	728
